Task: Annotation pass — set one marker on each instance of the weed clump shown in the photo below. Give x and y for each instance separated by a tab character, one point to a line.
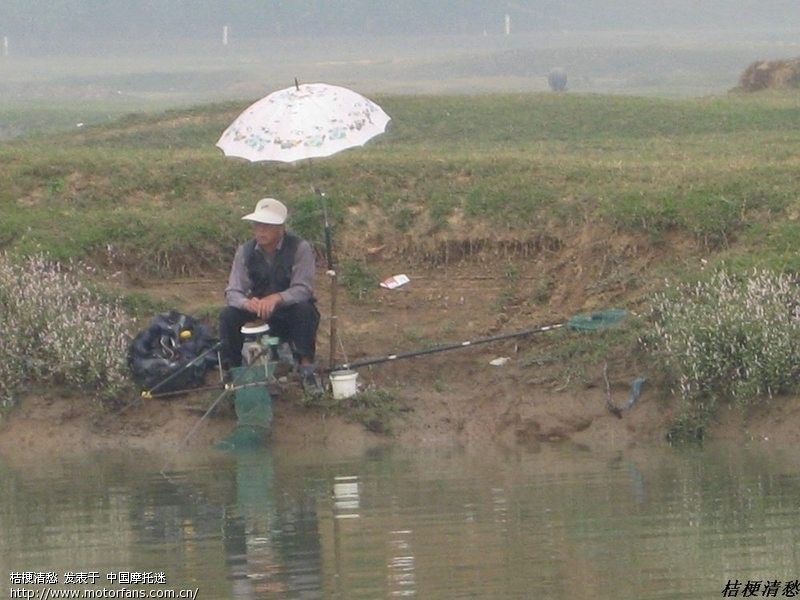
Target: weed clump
729	338
358	279
57	330
376	409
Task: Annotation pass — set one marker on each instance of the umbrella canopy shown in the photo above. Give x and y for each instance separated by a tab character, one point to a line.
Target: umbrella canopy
303	121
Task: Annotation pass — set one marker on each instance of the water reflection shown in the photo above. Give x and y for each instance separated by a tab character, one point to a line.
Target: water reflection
645	523
401	564
268	528
345	497
271	533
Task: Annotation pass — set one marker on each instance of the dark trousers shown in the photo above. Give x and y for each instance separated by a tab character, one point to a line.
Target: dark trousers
295	323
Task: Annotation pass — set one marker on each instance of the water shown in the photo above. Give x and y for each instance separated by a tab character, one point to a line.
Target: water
559	523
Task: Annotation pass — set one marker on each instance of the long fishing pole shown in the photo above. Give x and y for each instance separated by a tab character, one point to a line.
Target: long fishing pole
206	388
465	344
147	394
591	321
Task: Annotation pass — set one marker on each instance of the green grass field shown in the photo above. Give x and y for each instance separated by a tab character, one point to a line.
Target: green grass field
152	190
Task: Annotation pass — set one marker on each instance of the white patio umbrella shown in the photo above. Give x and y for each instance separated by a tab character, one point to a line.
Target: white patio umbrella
305	121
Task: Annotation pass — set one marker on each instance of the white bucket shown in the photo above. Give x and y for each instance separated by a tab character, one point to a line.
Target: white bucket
343	384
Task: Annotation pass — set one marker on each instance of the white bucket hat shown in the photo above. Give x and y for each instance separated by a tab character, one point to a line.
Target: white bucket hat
268	211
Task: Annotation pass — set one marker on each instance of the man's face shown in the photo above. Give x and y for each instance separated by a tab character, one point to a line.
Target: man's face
267	236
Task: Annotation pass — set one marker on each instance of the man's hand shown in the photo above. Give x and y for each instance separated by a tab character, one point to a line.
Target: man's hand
264	307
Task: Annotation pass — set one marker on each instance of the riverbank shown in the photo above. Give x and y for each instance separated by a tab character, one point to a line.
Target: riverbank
587	203
448	399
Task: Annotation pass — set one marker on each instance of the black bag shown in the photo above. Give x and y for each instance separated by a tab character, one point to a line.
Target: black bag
171	342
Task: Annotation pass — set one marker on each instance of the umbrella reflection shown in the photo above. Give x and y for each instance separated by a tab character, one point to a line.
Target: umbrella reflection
346	499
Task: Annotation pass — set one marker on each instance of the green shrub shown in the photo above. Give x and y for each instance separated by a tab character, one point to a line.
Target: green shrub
727	338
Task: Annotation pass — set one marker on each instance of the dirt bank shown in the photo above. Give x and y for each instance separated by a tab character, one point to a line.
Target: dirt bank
451	398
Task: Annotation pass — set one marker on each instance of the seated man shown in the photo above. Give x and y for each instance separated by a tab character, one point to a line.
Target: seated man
272	279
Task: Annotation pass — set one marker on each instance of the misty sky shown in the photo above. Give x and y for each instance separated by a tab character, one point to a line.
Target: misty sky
171	52
56	23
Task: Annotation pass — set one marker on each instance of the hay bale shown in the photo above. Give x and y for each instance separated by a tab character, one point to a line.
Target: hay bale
773	74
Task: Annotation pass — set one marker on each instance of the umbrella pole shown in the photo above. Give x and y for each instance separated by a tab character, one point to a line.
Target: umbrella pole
334	340
334	279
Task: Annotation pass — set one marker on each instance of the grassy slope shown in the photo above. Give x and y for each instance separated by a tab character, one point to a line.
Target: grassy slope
152	192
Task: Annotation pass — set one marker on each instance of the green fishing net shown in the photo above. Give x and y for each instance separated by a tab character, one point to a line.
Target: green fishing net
253	405
597	320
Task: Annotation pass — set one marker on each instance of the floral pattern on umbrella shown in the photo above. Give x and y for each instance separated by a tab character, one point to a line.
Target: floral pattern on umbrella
303	121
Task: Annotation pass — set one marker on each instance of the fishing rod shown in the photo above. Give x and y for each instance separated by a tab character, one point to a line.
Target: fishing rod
583	322
148	394
331	272
207	388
